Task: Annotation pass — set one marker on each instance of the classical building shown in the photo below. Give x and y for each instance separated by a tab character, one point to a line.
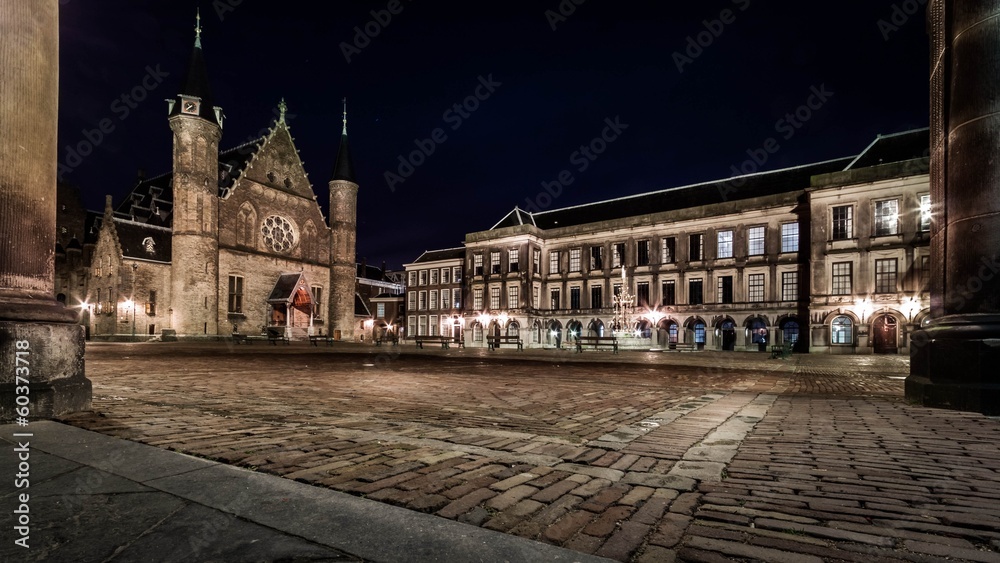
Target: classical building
434	294
828	257
228	241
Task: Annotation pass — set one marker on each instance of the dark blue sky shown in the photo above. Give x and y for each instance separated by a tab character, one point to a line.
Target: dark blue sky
552	91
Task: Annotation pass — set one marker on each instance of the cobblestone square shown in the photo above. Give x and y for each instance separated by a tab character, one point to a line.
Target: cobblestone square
636	457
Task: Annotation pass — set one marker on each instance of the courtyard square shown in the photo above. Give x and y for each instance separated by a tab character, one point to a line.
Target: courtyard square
634	457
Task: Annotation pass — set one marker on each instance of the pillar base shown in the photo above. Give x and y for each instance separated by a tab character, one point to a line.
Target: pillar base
56	382
953	364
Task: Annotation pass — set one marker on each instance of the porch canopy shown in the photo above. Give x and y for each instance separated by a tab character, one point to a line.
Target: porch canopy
291	295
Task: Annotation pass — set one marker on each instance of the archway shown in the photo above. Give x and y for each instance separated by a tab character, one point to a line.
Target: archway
756	333
789	331
553	334
727	332
595	328
667	330
885	334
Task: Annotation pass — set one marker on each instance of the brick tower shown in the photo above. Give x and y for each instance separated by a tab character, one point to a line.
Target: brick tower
194	272
343	230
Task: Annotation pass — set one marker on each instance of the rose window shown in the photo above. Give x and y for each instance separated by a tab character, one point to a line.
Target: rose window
279	235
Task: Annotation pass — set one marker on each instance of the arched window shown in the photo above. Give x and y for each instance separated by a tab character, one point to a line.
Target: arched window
699	332
477	332
758	331
842	330
513	329
672	331
790	331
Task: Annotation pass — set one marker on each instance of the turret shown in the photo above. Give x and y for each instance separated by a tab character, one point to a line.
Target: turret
343	227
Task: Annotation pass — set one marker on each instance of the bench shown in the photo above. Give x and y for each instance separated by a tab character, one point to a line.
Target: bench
315	339
387	338
783	351
444	340
276	334
597	342
241	339
683	346
496	341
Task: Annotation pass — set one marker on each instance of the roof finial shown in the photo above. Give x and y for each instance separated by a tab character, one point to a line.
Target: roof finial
345	116
197	30
282	108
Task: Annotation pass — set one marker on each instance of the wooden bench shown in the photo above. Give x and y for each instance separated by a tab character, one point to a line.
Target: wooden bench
782	351
444	340
683	346
495	342
315	339
275	335
387	338
241	339
596	342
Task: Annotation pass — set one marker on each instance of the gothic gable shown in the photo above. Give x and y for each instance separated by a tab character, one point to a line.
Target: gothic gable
277	165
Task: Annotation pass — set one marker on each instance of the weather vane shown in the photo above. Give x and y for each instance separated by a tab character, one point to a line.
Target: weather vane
197	29
345	115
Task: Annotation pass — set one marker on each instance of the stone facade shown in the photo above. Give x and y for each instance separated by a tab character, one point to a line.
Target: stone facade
434	294
745	263
211	248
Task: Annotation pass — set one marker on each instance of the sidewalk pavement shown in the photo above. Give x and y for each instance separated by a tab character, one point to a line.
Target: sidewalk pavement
96	498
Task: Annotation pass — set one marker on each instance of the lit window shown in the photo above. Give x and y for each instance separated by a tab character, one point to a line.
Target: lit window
789	237
755	241
494	298
885	276
886	217
725	245
553	262
842	282
495	262
789	286
842	330
380	310
574	260
667	248
925	213
477	299
512	260
235	294
445	275
843	222
477	265
755	291
513	297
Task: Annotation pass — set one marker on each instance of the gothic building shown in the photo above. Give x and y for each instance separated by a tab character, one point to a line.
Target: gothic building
826	257
229	240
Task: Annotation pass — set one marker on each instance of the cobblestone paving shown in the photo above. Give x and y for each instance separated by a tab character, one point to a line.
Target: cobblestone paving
637	457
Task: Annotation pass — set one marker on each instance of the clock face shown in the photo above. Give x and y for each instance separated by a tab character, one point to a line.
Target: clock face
189	107
279	234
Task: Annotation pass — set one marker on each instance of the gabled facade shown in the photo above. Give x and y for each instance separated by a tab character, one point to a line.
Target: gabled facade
206	246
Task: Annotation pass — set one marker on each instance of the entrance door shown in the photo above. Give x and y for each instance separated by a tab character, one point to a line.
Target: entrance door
885	332
728	335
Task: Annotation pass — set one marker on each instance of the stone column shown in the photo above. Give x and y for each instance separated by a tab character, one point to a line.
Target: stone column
954	358
36	331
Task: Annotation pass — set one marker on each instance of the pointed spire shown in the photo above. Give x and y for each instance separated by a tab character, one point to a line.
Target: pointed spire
194	84
344	168
197	30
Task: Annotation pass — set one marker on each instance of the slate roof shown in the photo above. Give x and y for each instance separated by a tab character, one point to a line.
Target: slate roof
718	191
897	147
195	83
344	167
152	200
371	273
143	242
284	288
444	254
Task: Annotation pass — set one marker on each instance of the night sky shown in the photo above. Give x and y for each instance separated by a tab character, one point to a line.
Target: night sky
550	92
